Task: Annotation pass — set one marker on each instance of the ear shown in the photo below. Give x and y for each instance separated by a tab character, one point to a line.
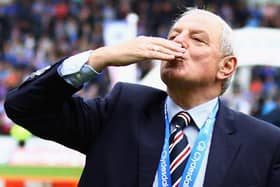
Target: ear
227	67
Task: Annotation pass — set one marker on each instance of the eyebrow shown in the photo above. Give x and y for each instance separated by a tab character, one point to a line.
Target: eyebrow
196	31
192	31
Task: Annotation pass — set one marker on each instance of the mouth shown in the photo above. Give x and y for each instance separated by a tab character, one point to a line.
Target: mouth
176	62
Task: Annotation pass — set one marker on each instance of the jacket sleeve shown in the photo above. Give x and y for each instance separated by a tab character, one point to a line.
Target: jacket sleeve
45	105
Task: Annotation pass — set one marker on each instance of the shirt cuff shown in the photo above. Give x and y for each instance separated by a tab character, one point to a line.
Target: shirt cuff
75	70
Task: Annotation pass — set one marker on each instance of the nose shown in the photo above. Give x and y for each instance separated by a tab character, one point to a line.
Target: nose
181	39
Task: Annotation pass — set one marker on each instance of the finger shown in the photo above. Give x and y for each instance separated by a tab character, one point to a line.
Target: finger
162	56
168	44
167	51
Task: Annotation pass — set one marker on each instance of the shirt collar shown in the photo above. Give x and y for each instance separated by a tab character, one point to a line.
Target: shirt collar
199	113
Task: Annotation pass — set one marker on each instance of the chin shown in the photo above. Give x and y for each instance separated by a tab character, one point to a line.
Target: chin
170	78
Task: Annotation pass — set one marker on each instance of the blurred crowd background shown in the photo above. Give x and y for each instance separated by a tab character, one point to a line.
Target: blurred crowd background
37	33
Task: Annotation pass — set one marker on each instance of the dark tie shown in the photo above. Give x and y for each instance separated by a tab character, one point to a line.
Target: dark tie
179	148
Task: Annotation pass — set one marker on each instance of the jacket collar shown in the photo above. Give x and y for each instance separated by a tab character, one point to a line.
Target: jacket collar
225	146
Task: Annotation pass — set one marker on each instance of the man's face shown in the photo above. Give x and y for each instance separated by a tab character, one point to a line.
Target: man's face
199	34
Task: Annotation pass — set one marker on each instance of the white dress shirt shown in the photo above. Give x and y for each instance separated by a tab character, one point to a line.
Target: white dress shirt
75	69
199	114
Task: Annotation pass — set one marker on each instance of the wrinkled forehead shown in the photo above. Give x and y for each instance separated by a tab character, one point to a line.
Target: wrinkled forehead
201	20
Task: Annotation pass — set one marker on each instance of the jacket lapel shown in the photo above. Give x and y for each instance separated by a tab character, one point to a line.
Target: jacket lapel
151	138
223	150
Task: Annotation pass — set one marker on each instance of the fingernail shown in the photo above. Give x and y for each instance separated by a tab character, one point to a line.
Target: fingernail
182	49
178	44
179	54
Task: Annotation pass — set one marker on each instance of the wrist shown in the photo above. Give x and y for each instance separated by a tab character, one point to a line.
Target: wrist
98	59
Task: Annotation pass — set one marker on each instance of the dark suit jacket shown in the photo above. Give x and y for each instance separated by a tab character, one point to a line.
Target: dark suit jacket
273	116
122	134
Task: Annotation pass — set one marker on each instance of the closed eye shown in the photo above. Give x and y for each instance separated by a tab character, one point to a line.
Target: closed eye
172	37
198	39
